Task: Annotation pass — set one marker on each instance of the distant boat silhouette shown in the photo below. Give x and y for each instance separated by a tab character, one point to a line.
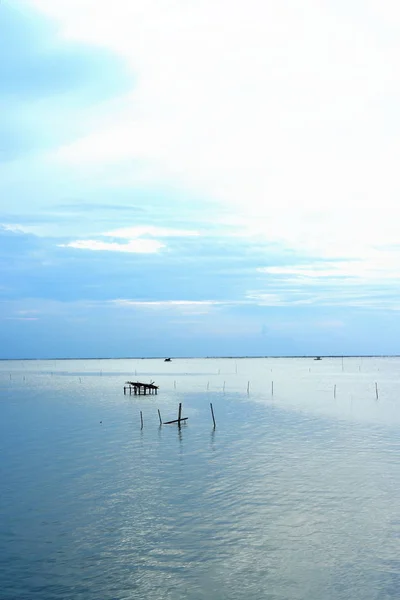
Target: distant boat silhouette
167	360
318	358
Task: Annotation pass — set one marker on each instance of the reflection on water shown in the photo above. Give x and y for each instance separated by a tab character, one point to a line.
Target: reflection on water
293	495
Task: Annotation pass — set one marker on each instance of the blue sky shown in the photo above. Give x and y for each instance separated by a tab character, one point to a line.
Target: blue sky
199	178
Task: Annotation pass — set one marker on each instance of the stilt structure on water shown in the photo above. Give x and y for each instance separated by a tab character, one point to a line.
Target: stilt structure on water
140	388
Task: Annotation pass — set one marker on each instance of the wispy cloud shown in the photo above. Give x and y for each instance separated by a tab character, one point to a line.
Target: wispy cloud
138	246
140	239
371	282
373	266
151	231
191	307
15	228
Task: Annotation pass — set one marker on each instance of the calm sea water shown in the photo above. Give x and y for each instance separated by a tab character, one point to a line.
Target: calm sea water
295	494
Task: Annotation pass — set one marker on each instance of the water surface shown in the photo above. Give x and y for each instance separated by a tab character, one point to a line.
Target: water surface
294	495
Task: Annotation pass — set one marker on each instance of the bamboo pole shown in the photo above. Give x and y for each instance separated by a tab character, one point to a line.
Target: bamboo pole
159	416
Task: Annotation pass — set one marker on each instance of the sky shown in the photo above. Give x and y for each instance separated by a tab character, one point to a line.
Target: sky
199	178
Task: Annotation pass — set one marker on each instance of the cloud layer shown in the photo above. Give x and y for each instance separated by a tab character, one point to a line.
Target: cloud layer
223	173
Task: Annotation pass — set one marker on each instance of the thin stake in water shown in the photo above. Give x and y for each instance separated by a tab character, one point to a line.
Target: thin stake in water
159	416
212	414
141	420
179	419
376	391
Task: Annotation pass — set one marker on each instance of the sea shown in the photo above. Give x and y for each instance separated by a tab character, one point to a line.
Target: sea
293	495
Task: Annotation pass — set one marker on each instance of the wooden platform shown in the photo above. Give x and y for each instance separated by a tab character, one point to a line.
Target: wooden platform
140	388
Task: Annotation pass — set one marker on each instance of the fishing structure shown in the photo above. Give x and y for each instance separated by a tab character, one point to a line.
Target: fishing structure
139	388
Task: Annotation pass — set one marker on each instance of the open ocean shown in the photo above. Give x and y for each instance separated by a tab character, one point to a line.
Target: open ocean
295	495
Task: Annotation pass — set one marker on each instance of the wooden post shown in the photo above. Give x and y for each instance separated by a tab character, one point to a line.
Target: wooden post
272	388
212	414
176	421
159	416
376	391
141	420
179	419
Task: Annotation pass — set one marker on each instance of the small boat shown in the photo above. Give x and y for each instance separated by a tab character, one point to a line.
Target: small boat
318	358
167	360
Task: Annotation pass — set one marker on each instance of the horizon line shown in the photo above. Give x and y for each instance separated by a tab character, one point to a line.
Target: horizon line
208	357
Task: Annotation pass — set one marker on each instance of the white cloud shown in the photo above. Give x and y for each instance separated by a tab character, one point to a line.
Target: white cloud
185	307
148	230
166	303
16	228
381	266
371	282
139	246
139	239
21	318
285	112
